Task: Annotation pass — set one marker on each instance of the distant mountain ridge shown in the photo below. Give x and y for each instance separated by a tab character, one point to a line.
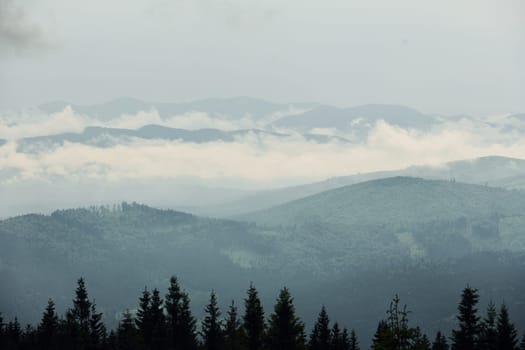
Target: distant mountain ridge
107	137
359	116
235	107
494	171
394	200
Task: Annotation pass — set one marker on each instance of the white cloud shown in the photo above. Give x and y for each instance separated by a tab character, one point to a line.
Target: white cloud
251	158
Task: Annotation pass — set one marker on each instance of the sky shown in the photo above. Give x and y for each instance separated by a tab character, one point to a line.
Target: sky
447	57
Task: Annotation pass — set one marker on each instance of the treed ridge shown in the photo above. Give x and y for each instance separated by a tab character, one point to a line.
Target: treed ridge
166	323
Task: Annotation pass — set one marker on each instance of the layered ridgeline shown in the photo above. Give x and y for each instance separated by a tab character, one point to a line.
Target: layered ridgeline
350	248
493	171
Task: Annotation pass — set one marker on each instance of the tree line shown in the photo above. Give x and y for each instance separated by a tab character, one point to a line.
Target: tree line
168	324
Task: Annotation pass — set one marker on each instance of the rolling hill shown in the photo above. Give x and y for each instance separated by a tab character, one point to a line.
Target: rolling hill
492	171
395	235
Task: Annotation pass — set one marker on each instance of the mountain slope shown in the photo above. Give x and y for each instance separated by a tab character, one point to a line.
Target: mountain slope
493	171
356	117
235	107
394	200
108	137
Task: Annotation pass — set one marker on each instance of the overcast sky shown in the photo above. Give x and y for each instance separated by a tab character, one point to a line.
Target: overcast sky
438	56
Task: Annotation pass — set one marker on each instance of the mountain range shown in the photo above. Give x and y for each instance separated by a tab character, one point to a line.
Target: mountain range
396	235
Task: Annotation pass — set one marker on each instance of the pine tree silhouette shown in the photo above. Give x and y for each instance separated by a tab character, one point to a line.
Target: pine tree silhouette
467	336
507	334
212	326
285	329
253	320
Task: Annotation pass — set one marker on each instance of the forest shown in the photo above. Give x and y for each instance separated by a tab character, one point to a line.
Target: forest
166	322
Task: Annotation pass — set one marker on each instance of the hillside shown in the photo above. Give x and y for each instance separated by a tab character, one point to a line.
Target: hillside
358	118
395	200
492	171
42	255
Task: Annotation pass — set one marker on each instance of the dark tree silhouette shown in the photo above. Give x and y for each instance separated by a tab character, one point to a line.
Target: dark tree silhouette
320	338
489	333
48	327
466	337
253	320
440	342
507	334
212	325
285	329
232	329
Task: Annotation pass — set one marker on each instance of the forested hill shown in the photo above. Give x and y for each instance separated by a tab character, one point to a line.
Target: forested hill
431	236
395	200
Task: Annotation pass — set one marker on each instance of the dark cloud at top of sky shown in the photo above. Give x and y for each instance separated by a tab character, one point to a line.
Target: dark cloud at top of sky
18	33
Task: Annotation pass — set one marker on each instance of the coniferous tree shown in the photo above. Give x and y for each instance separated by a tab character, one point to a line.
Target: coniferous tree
320	337
127	334
489	333
13	334
232	329
345	339
440	342
285	329
335	337
253	320
82	307
157	321
187	326
382	339
522	344
69	332
144	319
212	326
173	313
48	327
467	336
3	336
507	334
353	342
420	341
180	324
29	339
97	330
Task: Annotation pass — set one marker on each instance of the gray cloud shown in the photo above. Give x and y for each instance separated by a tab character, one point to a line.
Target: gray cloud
18	33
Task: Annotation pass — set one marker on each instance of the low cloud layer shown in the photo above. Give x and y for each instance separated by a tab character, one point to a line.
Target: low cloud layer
252	158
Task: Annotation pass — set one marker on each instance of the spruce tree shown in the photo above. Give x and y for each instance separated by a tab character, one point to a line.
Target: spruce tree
522	344
353	342
382	339
253	320
187	336
48	327
157	321
320	337
97	330
440	342
345	339
467	336
285	329
232	329
127	335
420	341
507	334
144	319
173	310
82	307
335	338
211	327
489	332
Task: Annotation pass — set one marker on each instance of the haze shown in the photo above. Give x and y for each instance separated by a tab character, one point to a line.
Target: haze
444	57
